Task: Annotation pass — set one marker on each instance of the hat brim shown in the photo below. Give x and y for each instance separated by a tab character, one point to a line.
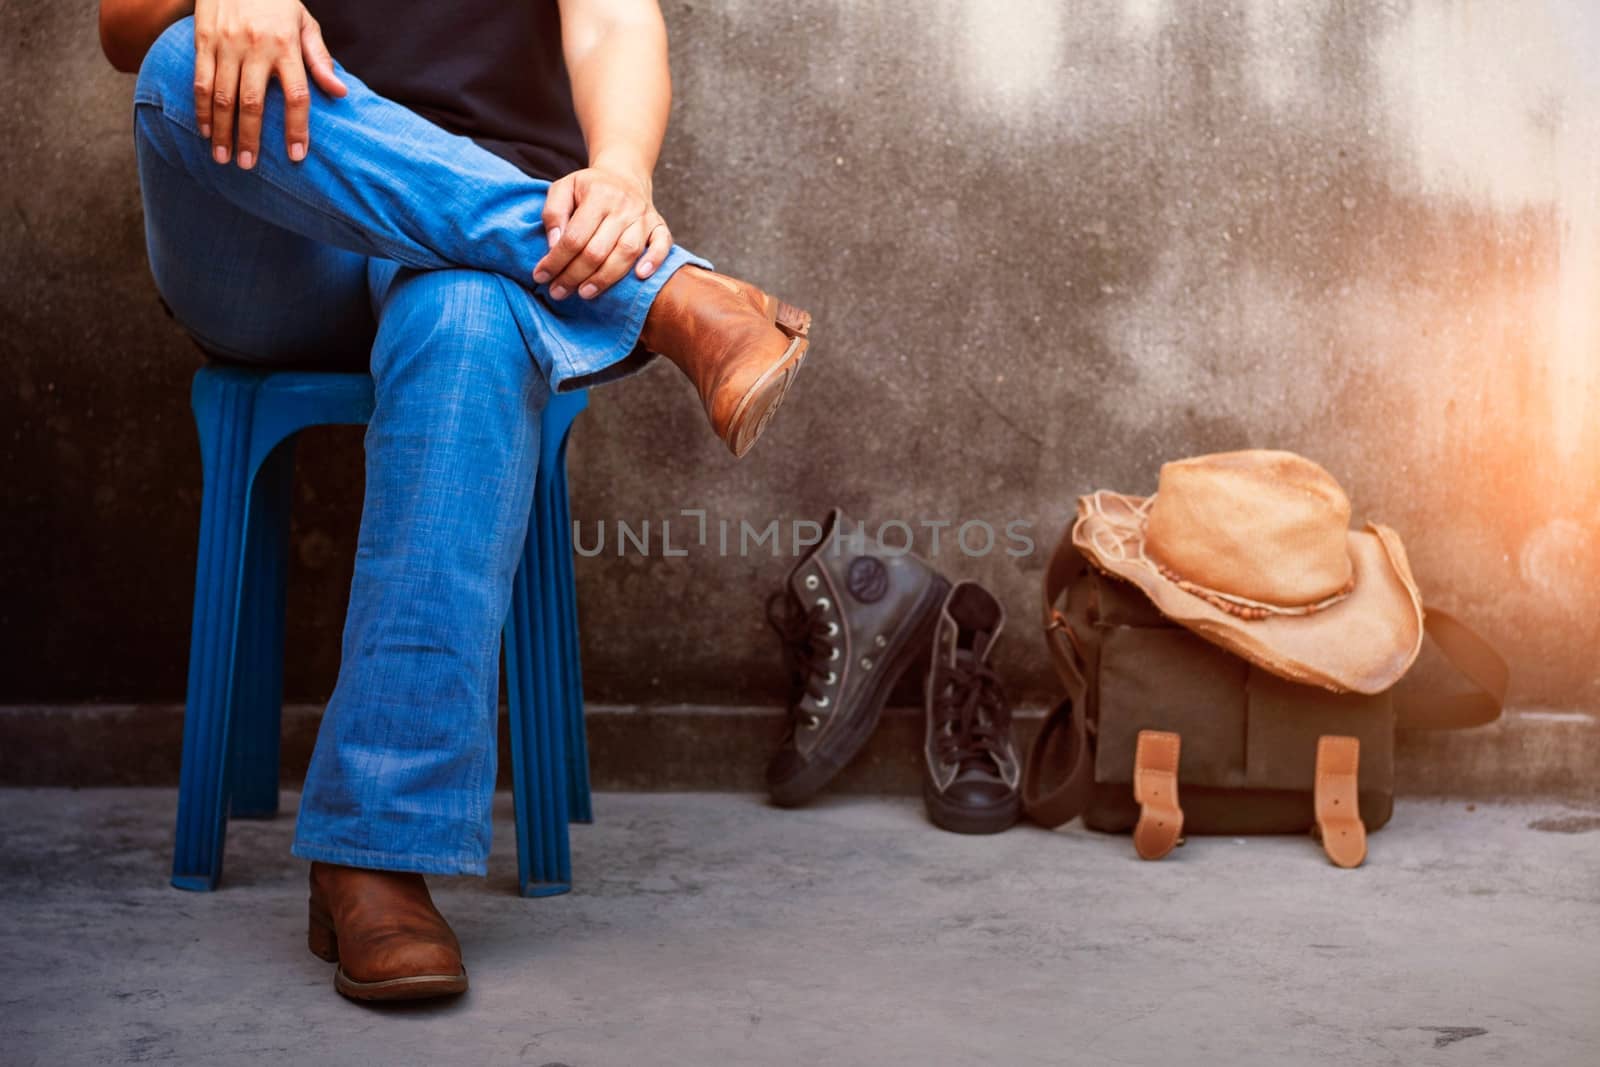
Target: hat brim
1363	644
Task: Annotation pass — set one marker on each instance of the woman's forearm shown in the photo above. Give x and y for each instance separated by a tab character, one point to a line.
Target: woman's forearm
129	27
616	55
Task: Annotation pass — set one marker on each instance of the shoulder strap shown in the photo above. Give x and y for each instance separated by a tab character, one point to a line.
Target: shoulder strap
1066	564
1477	661
1063	739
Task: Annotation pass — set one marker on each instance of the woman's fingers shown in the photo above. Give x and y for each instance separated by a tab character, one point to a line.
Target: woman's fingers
205	70
318	59
558	202
205	62
234	68
573	243
658	248
224	99
598	228
591	258
253	78
296	106
630	242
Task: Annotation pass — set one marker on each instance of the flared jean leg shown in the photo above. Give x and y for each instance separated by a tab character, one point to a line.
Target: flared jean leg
403	773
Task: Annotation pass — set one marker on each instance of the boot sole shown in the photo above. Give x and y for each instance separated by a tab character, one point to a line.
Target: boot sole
839	750
324	944
756	407
963	820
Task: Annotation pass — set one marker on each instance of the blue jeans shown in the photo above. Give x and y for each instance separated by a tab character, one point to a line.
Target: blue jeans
408	250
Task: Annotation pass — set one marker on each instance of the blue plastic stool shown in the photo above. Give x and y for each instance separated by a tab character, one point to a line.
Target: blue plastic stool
247	422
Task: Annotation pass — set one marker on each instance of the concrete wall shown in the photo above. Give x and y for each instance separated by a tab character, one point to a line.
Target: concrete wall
1048	245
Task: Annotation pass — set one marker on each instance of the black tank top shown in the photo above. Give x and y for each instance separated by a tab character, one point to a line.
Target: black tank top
490	70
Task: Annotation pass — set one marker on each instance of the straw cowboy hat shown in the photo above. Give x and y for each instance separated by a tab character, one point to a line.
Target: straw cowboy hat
1253	551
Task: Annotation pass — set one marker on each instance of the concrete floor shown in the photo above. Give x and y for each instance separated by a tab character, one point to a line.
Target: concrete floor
712	929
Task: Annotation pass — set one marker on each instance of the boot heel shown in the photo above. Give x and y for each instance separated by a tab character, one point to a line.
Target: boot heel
793	321
320	938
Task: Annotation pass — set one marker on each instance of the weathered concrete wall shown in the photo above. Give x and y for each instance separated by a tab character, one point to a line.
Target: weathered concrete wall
1048	245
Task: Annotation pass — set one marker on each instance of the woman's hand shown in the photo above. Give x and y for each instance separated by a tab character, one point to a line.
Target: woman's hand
240	45
600	222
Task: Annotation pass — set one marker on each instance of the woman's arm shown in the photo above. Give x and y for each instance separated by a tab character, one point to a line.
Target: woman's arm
616	53
600	219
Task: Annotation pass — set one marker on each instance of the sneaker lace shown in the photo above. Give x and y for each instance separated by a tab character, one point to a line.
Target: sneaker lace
808	647
971	713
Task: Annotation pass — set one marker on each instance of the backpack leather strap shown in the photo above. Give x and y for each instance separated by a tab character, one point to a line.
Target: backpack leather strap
1063	740
1155	787
1337	803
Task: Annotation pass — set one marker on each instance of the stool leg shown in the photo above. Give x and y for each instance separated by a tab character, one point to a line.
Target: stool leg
223	408
553	516
565	598
258	676
538	757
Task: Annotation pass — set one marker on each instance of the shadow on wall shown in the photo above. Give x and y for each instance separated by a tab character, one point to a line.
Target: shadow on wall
1048	246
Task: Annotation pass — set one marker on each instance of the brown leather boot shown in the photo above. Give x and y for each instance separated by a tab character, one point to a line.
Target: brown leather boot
383	931
739	346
